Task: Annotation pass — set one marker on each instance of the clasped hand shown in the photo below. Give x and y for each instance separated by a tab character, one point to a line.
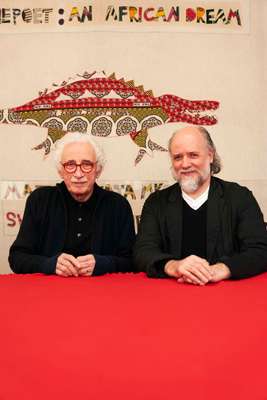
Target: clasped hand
68	265
196	270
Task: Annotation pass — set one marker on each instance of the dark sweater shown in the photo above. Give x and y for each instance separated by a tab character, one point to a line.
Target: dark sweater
194	241
42	233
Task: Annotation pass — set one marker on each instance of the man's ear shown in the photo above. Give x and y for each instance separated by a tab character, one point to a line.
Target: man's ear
211	156
60	171
98	172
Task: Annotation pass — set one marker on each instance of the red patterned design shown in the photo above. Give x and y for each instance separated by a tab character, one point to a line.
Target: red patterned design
103	106
177	108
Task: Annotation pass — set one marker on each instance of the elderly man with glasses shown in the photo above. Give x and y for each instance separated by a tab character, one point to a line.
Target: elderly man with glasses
75	228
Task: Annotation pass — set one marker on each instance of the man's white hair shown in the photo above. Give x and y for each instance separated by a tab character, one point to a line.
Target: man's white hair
78	137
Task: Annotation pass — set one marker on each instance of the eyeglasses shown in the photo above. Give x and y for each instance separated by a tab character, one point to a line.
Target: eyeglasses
71	166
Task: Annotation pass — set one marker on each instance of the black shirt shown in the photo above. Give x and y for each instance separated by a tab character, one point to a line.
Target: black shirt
79	223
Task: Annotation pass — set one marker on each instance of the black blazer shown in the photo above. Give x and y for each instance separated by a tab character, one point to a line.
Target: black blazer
236	233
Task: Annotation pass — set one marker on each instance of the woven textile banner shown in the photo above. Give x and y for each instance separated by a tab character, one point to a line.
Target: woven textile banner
17	16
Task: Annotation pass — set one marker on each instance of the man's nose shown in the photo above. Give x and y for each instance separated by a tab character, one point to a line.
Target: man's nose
78	173
186	162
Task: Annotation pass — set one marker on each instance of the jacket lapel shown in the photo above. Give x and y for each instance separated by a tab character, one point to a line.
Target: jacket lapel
174	220
213	217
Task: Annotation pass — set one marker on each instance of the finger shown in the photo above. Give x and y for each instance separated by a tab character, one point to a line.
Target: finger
206	270
86	272
202	263
187	280
199	271
195	260
88	257
64	269
66	266
84	258
71	269
63	258
87	260
202	273
200	277
88	264
183	279
59	272
85	269
84	264
194	277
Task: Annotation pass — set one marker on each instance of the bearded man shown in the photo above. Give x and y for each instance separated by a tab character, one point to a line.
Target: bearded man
201	229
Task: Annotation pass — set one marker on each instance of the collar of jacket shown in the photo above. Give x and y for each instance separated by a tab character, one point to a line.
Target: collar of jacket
61	186
216	190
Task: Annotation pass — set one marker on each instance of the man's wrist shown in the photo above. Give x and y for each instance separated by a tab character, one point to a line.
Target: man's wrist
220	272
226	270
171	268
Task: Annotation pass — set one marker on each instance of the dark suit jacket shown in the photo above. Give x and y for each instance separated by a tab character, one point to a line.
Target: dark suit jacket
236	233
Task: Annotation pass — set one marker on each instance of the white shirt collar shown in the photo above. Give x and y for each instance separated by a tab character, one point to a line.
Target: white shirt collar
196	203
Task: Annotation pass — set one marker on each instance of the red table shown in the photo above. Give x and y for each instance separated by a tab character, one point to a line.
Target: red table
129	337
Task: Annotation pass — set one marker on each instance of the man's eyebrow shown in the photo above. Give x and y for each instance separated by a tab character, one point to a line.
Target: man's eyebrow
87	160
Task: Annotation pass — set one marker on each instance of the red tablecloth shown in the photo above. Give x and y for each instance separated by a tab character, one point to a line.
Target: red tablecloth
130	337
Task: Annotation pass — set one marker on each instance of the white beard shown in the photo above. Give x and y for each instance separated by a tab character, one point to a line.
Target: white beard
190	185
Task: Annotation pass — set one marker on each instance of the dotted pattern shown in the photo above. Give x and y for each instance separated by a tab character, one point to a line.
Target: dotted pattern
53	123
77	125
126	126
151	122
102	127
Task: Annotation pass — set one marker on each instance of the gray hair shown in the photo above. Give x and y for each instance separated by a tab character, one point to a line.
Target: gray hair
216	165
78	137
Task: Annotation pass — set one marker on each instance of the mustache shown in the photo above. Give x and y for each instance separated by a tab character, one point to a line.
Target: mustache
187	170
77	181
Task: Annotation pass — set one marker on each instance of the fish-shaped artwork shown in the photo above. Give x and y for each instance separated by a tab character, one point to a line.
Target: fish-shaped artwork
106	106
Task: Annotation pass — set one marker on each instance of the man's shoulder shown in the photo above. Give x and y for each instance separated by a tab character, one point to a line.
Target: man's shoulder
232	192
43	192
171	193
168	191
111	196
228	186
